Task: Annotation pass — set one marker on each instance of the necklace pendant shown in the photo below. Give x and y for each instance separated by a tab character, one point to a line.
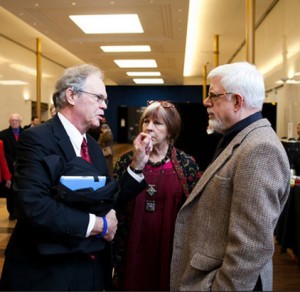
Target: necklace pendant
151	191
150	206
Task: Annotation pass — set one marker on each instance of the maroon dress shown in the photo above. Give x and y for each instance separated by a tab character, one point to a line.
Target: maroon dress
150	240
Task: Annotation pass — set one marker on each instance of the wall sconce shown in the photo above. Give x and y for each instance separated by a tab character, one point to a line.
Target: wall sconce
26	96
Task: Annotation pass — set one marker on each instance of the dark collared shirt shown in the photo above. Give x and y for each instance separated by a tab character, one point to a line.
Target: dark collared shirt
16	131
234	130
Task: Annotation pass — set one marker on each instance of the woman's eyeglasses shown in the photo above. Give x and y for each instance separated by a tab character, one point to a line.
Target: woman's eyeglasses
163	103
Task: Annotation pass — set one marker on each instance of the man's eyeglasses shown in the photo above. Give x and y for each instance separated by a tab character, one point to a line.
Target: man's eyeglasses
100	98
163	103
214	97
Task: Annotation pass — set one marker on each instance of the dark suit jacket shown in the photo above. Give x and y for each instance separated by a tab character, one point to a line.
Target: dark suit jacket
10	147
43	154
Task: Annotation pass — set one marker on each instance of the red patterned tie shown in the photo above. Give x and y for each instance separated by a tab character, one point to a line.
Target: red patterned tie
16	134
84	152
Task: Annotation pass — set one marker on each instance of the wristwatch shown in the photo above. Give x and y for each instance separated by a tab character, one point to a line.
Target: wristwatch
137	171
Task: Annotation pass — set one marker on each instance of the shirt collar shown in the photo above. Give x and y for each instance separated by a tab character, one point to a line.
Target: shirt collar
17	130
234	130
73	133
238	127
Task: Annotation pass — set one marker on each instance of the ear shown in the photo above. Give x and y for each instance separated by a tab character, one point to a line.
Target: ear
238	101
70	96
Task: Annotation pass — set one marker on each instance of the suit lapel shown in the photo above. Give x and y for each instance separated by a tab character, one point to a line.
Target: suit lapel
210	172
95	154
62	138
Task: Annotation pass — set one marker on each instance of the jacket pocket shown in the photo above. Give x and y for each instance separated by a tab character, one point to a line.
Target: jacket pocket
205	263
200	273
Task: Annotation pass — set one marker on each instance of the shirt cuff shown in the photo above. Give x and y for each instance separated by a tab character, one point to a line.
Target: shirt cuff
91	224
137	177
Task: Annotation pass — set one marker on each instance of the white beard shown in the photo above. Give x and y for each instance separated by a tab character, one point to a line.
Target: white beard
216	125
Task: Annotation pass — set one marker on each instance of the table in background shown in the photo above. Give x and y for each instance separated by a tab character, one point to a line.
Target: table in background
287	231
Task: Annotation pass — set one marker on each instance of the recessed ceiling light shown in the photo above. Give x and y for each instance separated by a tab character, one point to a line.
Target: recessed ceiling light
148	63
12	82
143	73
108	23
148	80
125	49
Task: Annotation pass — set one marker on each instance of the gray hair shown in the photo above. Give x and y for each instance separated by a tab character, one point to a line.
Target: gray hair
242	78
16	116
73	77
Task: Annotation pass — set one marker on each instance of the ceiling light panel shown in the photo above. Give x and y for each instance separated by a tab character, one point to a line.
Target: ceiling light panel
146	63
148	80
108	23
143	73
114	49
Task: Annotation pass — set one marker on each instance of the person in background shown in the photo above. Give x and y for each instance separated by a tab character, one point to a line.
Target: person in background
52	110
34	122
106	141
59	243
224	232
10	137
96	132
143	243
5	175
103	121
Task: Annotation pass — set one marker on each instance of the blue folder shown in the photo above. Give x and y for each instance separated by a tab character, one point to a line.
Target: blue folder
83	182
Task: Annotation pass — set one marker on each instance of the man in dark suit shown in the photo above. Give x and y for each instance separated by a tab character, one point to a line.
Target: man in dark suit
58	243
10	137
34	122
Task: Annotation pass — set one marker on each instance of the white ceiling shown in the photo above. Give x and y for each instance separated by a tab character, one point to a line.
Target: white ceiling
164	23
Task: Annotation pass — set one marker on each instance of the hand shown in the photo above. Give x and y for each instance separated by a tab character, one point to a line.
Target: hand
142	145
8	184
112	224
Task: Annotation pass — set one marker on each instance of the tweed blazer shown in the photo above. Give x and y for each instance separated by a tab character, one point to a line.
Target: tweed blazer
224	231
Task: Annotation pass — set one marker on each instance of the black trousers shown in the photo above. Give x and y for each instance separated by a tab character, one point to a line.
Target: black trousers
258	285
83	272
88	274
10	202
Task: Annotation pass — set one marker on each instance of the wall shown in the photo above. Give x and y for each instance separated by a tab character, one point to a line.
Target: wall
277	55
19	63
137	96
